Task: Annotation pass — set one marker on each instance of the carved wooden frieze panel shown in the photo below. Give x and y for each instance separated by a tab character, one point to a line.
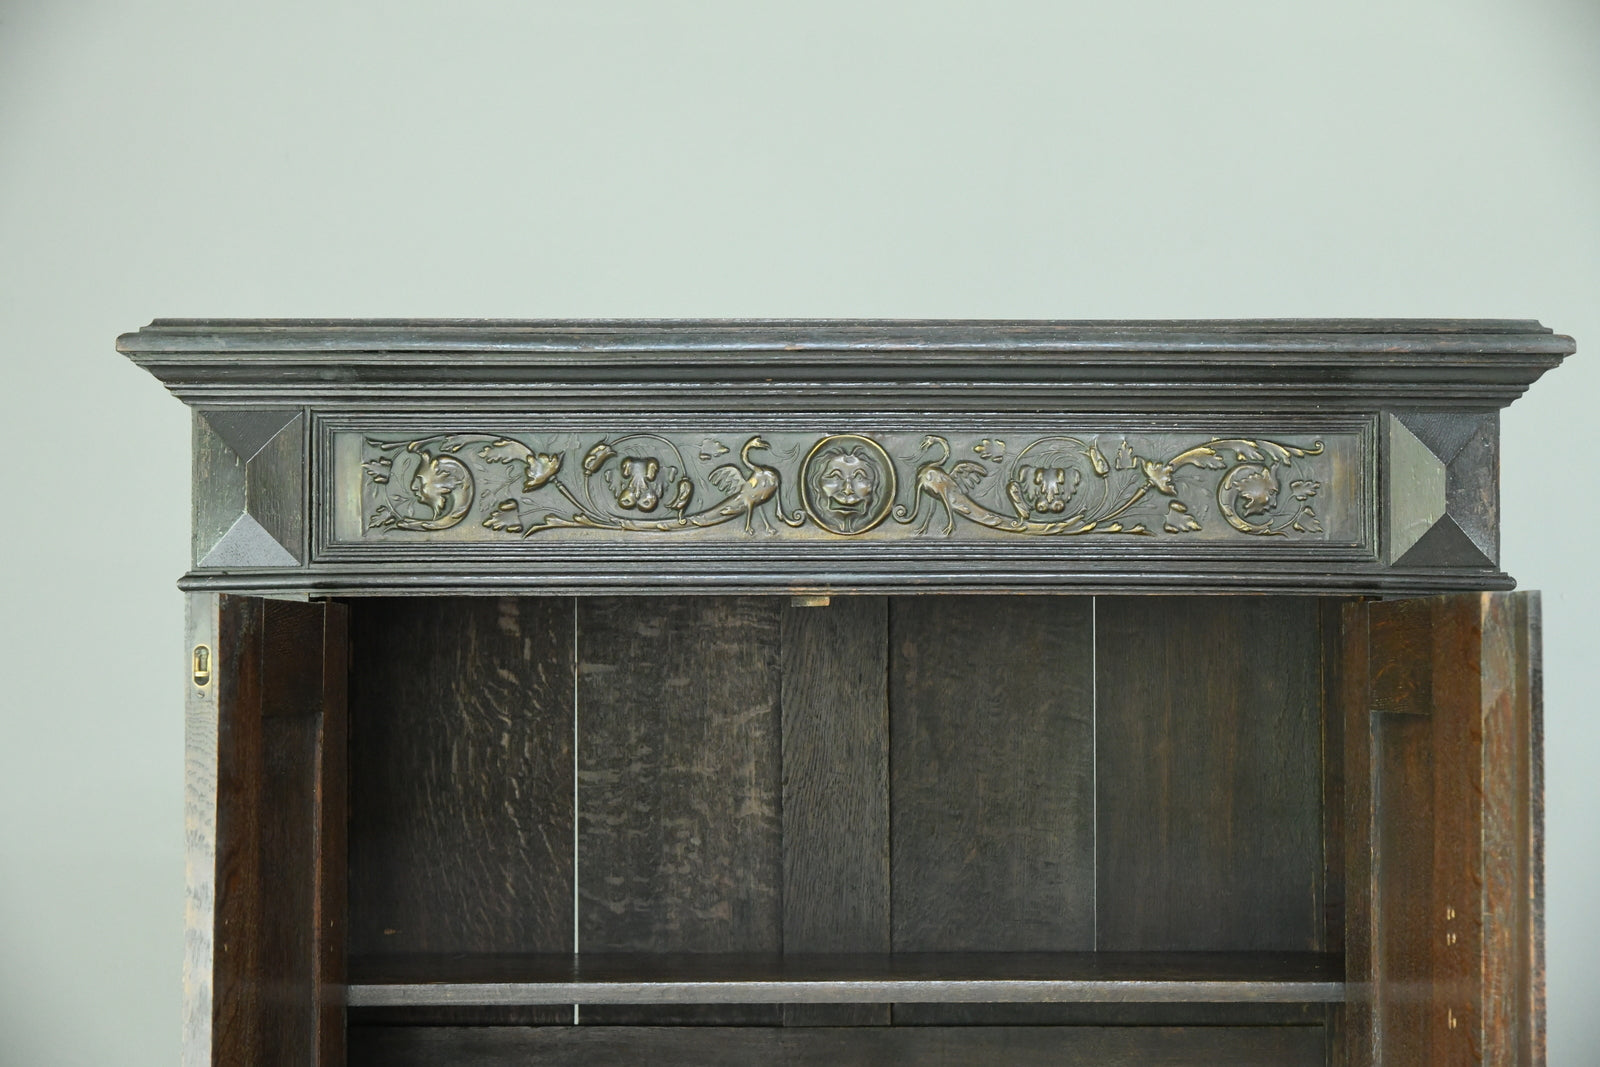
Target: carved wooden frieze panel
480	484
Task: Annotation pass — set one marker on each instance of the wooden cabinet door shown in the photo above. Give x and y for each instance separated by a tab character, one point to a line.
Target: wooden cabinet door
1444	863
265	819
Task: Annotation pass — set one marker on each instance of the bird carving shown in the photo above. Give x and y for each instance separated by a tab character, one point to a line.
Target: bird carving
747	489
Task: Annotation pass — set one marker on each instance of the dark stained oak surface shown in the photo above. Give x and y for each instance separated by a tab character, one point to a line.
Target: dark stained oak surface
1209	773
461	772
1443	701
902	827
280	804
680	832
461	831
835	699
991	731
836	777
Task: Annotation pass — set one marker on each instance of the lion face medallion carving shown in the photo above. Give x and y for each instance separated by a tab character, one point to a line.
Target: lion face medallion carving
847	484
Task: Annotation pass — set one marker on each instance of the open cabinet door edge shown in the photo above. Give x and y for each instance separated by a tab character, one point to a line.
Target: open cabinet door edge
265	819
1443	790
1513	790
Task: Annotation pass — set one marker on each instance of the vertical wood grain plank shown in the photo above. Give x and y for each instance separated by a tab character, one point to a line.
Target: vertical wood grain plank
286	927
1332	663
1511	970
991	779
1403	889
1209	773
333	839
235	1031
836	790
1360	837
1393	711
1330	632
461	777
1529	706
1503	740
1455	752
276	988
1453	691
680	838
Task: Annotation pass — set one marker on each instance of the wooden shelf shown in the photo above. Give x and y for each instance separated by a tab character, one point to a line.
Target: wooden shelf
939	978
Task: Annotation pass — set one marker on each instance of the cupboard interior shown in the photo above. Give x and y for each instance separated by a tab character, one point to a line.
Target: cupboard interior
1015	812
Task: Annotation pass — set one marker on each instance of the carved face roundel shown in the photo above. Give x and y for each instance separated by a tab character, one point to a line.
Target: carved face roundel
847	484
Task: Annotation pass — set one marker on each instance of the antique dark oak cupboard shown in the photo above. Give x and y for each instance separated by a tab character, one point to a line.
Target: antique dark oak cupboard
659	692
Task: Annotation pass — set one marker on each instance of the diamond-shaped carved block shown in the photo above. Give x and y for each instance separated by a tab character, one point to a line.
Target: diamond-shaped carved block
1444	489
249	488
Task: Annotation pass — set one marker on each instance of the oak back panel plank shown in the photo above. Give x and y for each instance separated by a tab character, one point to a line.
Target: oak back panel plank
991	728
332	860
680	840
1209	771
1330	633
835	699
461	766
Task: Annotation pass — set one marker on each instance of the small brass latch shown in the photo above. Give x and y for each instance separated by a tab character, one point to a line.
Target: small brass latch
202	666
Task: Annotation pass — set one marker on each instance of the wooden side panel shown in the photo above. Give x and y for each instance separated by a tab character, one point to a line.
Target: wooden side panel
923	1046
1209	769
680	840
991	728
1453	882
835	703
280	796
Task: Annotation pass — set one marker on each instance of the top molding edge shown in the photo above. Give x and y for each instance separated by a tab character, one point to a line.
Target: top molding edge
717	336
771	364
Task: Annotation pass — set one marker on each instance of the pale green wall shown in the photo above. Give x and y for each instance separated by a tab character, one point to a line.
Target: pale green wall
607	158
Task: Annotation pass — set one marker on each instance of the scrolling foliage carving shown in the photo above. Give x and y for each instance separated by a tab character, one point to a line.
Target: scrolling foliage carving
632	484
842	485
1072	488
